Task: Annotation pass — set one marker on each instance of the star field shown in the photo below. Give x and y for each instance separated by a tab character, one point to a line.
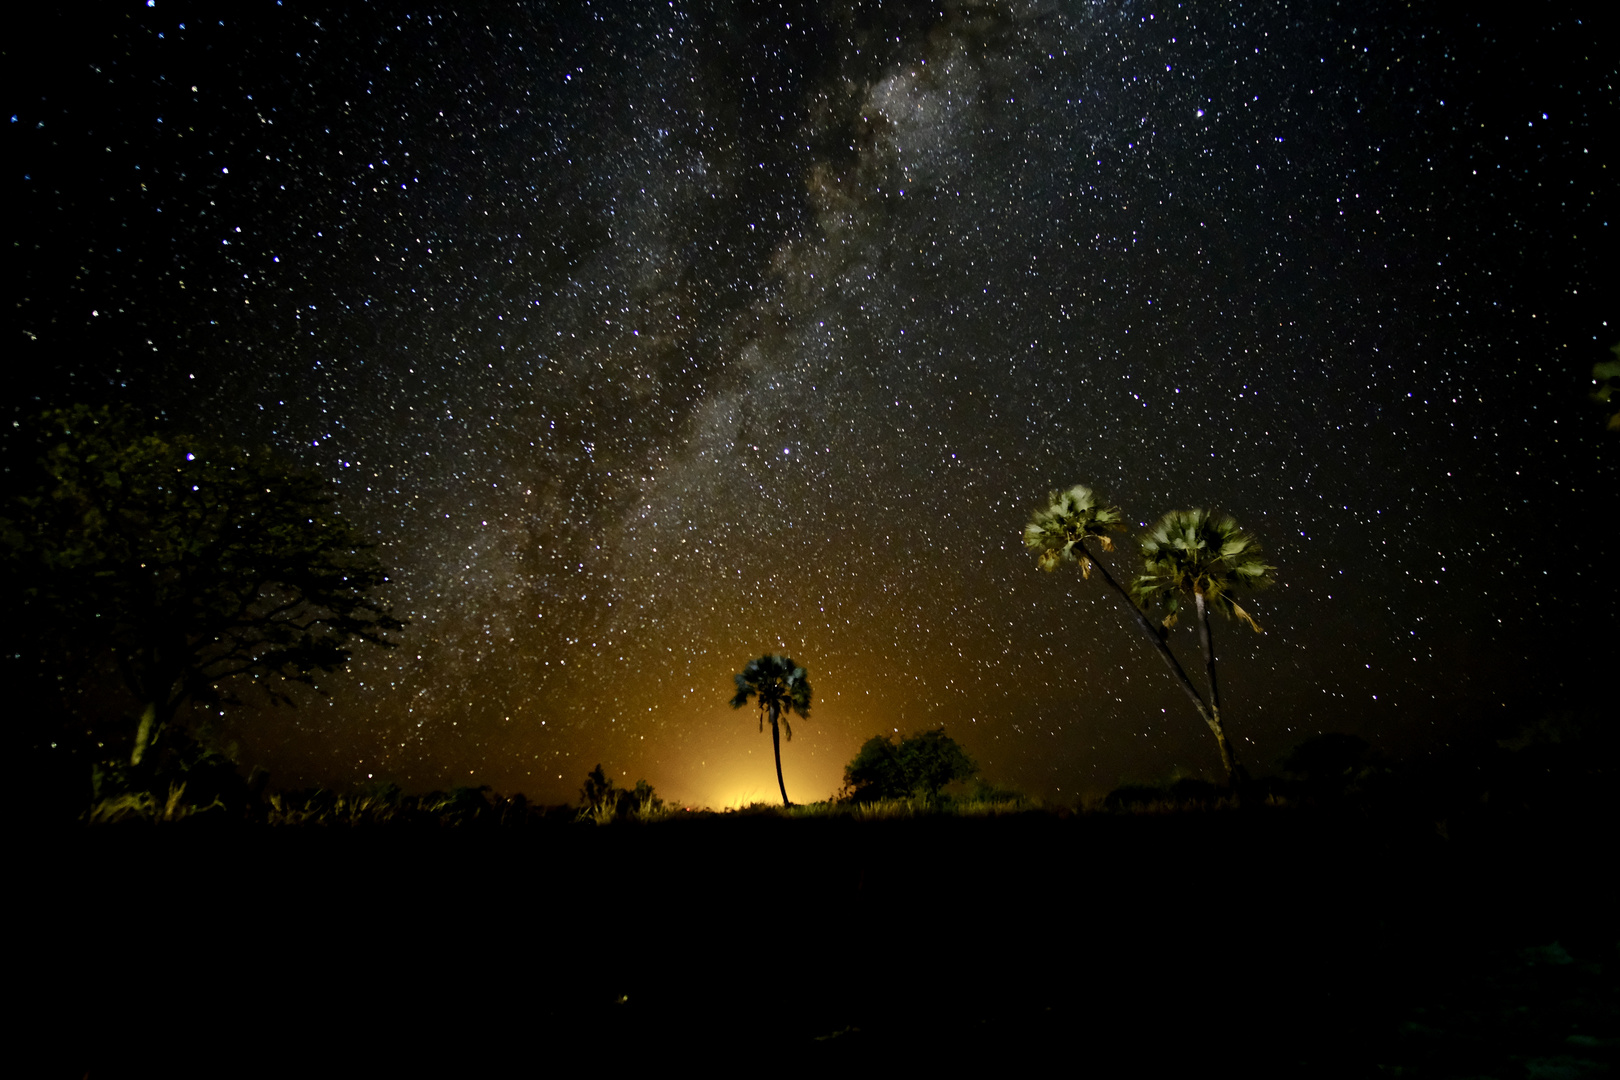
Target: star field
649	337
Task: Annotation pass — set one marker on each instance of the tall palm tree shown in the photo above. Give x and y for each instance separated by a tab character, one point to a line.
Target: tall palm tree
1202	554
781	688
1062	531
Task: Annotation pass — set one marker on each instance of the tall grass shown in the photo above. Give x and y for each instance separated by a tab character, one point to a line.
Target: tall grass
892	809
144	806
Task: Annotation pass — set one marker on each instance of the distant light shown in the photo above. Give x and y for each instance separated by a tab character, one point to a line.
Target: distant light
785	450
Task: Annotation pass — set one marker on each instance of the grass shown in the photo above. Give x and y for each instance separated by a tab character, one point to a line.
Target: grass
891	809
144	806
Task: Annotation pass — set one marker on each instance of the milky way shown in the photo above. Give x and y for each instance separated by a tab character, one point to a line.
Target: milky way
652	337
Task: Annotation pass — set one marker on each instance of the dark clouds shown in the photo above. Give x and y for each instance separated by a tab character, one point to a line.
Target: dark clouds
657	336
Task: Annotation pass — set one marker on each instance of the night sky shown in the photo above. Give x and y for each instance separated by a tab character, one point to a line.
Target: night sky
650	337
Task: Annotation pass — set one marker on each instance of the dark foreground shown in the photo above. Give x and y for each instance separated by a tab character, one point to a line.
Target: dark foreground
1267	943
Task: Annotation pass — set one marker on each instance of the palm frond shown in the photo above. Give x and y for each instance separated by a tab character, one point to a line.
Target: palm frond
798	692
773	680
1245	617
1204	553
1057	532
744	691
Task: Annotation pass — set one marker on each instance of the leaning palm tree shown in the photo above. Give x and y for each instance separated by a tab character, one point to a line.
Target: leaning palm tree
1204	555
781	688
1062	531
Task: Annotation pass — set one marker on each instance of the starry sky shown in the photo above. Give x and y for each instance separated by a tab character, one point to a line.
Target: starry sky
650	337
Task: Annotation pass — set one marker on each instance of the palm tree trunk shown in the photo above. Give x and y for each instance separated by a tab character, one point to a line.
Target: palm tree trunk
1206	639
1213	721
153	682
776	745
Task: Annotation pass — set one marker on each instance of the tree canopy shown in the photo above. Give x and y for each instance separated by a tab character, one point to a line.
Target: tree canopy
182	566
920	765
1057	532
1202	555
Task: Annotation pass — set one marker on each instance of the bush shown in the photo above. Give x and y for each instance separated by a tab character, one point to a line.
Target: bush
604	802
918	767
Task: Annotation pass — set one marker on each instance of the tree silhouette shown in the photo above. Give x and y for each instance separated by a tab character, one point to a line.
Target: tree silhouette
1204	555
920	765
1061	532
875	772
182	564
781	687
1331	765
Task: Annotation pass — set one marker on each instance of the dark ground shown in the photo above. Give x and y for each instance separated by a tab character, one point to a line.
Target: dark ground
1272	944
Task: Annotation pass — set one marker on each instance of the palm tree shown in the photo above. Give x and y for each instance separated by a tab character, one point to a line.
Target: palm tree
782	688
1060	533
1202	554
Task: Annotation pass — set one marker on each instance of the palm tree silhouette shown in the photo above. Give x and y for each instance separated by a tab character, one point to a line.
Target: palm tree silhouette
1060	532
1202	554
781	687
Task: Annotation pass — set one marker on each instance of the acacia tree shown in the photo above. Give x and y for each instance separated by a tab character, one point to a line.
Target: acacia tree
1062	532
781	688
187	564
1203	555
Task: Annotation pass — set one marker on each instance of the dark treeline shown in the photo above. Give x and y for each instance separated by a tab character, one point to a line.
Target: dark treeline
1562	765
